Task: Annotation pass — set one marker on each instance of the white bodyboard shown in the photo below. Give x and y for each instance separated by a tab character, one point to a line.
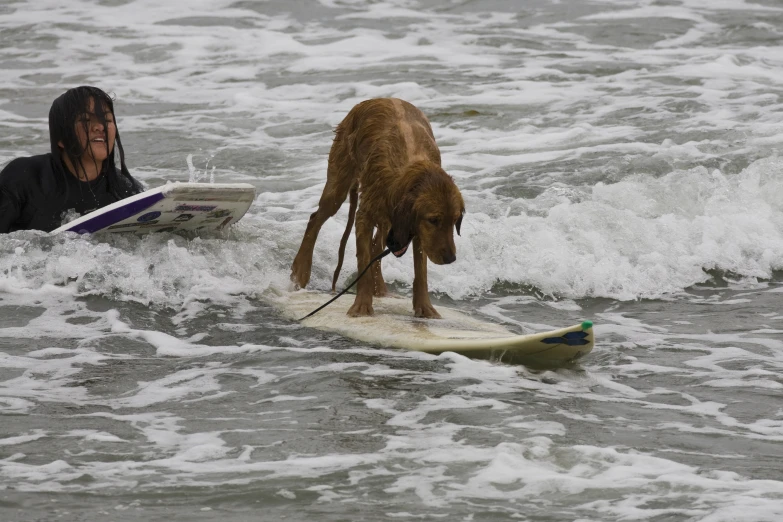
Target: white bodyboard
172	207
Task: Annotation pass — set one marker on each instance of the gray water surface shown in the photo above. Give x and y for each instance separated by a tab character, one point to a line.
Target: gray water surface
619	161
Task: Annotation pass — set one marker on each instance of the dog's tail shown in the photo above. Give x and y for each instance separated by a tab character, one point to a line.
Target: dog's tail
354	195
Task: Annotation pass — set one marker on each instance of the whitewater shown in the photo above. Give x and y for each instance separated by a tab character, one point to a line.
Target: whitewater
620	163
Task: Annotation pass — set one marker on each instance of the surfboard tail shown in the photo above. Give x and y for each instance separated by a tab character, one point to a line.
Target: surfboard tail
543	350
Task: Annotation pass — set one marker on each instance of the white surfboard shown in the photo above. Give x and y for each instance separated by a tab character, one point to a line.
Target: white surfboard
172	207
394	325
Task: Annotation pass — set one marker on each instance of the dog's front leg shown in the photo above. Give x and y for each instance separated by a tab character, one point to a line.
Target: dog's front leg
422	307
362	305
378	245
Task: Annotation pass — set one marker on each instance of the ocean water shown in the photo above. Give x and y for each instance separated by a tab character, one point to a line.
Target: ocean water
620	162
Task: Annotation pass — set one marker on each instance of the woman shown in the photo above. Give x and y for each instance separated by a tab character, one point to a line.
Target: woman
78	174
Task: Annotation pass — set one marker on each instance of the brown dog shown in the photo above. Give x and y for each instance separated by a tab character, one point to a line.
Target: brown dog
384	150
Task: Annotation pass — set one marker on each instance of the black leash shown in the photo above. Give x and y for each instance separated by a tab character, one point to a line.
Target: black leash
333	299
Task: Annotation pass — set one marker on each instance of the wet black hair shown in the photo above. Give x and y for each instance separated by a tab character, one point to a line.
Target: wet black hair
65	113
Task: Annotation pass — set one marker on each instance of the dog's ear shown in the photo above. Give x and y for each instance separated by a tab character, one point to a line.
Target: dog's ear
458	224
403	220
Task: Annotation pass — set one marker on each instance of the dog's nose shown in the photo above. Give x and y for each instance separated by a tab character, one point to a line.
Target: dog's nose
449	258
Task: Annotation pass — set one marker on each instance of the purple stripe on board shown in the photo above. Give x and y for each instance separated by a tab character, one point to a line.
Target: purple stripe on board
105	219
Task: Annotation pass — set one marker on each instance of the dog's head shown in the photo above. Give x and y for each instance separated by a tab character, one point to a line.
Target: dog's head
431	207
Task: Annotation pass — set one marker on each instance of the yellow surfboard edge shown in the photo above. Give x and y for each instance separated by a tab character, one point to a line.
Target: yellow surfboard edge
543	349
393	325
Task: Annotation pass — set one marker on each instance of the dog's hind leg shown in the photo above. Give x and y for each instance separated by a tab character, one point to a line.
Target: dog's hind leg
378	246
341	254
333	196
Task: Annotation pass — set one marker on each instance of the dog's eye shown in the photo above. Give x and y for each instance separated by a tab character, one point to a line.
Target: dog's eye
434	221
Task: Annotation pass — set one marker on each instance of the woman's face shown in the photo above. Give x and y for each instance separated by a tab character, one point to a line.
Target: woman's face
95	138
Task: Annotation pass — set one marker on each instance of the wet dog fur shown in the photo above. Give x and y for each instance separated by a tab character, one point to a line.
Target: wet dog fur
385	154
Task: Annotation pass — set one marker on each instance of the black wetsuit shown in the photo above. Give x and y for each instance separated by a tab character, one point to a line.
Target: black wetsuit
34	194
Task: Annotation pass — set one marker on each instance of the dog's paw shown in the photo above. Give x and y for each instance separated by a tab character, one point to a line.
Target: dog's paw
295	282
300	275
358	309
426	311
